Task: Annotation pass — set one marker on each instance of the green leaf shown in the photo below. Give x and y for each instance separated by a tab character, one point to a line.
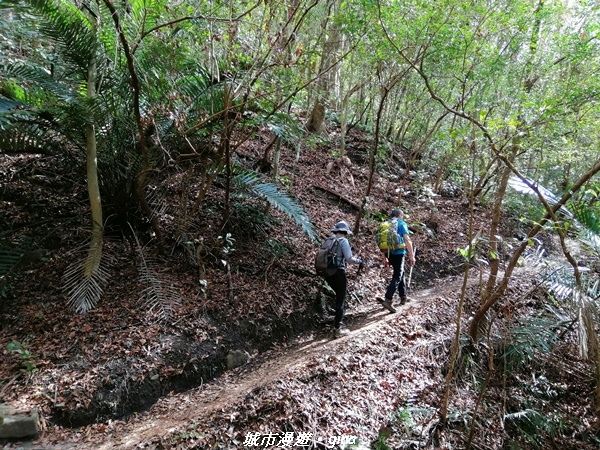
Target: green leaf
280	200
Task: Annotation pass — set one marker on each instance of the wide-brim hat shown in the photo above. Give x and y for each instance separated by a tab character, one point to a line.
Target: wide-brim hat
341	227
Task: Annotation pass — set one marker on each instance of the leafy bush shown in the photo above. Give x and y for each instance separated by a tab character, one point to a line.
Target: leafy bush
26	358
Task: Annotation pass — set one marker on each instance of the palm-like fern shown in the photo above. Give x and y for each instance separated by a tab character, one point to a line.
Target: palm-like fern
521	186
85	279
535	335
580	301
62	107
158	296
280	200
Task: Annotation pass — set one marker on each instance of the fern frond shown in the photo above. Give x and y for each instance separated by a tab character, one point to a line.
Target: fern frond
580	302
158	296
23	140
587	217
280	200
10	255
589	227
41	85
561	282
535	334
195	86
85	279
518	185
10	110
285	127
67	27
528	414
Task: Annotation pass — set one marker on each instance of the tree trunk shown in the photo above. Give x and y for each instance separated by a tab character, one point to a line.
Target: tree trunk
328	73
316	120
372	157
493	236
95	250
140	180
344	118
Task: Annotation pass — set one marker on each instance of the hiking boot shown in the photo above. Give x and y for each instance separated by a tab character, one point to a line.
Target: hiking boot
387	304
339	331
403	300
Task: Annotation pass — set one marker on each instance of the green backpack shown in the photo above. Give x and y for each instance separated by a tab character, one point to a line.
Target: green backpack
387	236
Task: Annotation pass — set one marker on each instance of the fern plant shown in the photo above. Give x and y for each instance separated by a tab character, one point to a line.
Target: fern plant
10	256
280	200
158	296
576	289
68	103
533	336
55	110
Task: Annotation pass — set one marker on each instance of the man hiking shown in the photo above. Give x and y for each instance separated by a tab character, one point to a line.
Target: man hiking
395	246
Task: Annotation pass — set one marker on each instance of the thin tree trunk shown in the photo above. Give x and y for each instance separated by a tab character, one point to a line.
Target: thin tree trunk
416	153
96	243
277	158
372	157
327	78
344	117
226	151
493	236
458	332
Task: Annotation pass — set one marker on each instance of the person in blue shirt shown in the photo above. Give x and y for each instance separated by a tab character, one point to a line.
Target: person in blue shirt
338	281
396	260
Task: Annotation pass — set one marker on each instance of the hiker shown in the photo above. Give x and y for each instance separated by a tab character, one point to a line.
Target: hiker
338	280
395	258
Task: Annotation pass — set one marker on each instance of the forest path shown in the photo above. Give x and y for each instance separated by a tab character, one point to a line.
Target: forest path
174	411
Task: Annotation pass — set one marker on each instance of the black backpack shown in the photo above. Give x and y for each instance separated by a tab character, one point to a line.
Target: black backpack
326	261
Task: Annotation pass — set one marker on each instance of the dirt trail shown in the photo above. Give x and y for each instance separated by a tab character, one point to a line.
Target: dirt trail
178	410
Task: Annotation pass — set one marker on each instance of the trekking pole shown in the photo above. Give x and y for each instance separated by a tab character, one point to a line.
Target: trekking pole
352	288
411	268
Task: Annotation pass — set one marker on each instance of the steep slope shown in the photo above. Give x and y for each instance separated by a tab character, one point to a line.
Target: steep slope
118	377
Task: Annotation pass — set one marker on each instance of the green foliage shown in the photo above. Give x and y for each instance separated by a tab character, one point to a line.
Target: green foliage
522	210
410	418
380	442
191	432
26	358
274	248
552	199
278	199
533	337
285	127
250	222
378	216
534	426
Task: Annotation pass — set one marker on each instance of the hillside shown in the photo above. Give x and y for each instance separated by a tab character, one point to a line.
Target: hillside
117	377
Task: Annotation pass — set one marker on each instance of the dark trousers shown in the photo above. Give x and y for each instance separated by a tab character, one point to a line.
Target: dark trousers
339	284
397	282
